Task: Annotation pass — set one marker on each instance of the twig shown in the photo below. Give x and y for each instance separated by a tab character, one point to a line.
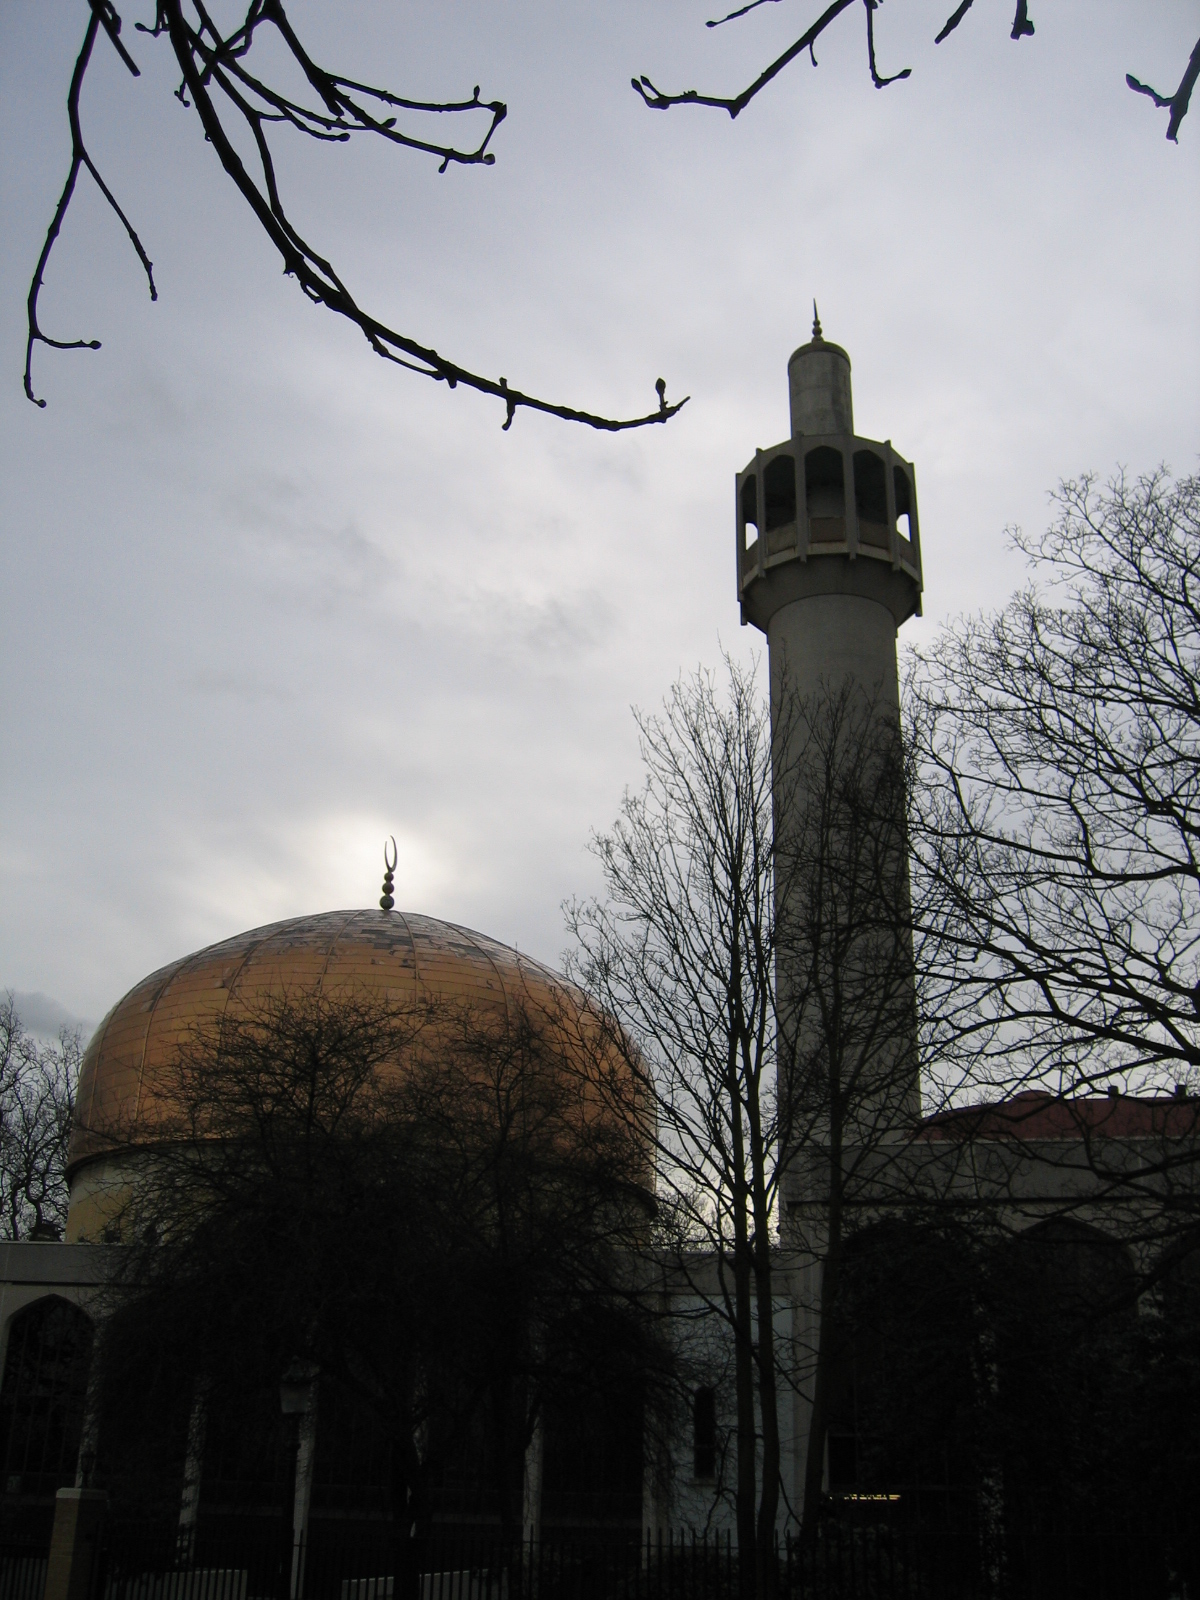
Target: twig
215	79
102	14
1022	27
1178	102
953	20
880	83
740	12
658	101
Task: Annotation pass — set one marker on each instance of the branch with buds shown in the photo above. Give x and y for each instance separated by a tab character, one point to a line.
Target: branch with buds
217	82
1022	26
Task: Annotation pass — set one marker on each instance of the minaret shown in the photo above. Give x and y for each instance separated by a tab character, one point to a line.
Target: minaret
829	550
829	567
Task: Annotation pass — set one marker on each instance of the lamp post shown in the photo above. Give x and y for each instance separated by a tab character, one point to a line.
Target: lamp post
295	1401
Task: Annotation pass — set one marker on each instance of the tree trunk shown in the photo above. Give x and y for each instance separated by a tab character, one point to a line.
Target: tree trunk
747	1439
768	1398
509	1450
769	1411
746	1492
743	1338
410	1521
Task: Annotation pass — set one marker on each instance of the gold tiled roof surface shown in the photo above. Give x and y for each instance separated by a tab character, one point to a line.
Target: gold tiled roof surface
396	956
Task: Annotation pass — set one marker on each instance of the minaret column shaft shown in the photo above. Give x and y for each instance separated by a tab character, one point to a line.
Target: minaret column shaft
830	591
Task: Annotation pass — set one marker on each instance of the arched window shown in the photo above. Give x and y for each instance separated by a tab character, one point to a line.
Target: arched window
43	1396
1066	1343
901	1388
779	491
1075	1269
870	498
825	494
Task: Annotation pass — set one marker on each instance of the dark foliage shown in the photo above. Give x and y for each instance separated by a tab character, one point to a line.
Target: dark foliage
1017	1386
418	1203
908	1366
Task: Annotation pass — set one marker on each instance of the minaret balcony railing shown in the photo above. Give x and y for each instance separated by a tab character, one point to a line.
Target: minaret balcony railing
827	495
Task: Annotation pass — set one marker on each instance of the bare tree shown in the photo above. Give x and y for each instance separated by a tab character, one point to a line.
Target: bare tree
1058	818
754	946
228	95
1059	740
681	956
1022	27
37	1095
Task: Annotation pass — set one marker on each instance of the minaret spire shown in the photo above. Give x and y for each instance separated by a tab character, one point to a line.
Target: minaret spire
816	321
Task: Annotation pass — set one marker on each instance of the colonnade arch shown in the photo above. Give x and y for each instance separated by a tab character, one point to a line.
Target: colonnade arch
43	1399
903	1375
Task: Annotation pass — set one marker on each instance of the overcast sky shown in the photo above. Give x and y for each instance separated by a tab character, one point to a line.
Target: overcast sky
266	600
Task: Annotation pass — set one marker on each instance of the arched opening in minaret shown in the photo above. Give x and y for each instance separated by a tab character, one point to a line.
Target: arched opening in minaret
904	505
779	491
748	519
825	495
750	503
870	499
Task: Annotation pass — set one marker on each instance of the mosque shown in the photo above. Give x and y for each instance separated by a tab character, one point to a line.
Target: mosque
828	566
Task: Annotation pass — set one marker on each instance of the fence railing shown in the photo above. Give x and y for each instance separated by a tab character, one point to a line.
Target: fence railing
23	1570
239	1557
243	1559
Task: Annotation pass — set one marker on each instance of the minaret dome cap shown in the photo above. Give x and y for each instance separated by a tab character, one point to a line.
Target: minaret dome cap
819	386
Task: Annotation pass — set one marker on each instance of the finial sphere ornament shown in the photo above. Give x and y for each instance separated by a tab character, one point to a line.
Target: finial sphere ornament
389	869
816	322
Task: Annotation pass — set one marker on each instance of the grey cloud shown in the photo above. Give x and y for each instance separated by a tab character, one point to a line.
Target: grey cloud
45	1017
262	591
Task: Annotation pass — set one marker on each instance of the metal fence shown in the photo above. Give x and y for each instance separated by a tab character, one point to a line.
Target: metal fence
246	1558
22	1570
243	1559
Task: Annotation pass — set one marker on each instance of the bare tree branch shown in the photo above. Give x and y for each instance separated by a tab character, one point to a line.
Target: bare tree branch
37	1089
1059	741
880	83
658	101
1178	102
79	158
216	81
1022	27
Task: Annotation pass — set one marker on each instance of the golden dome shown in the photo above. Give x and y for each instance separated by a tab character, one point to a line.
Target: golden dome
391	956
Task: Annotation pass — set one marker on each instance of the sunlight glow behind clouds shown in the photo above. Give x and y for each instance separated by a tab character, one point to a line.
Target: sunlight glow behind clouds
267	600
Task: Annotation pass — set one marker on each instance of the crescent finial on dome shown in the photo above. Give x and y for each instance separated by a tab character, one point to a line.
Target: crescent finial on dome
386	902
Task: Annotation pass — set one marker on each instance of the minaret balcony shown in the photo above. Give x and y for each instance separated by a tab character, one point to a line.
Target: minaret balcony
827	496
